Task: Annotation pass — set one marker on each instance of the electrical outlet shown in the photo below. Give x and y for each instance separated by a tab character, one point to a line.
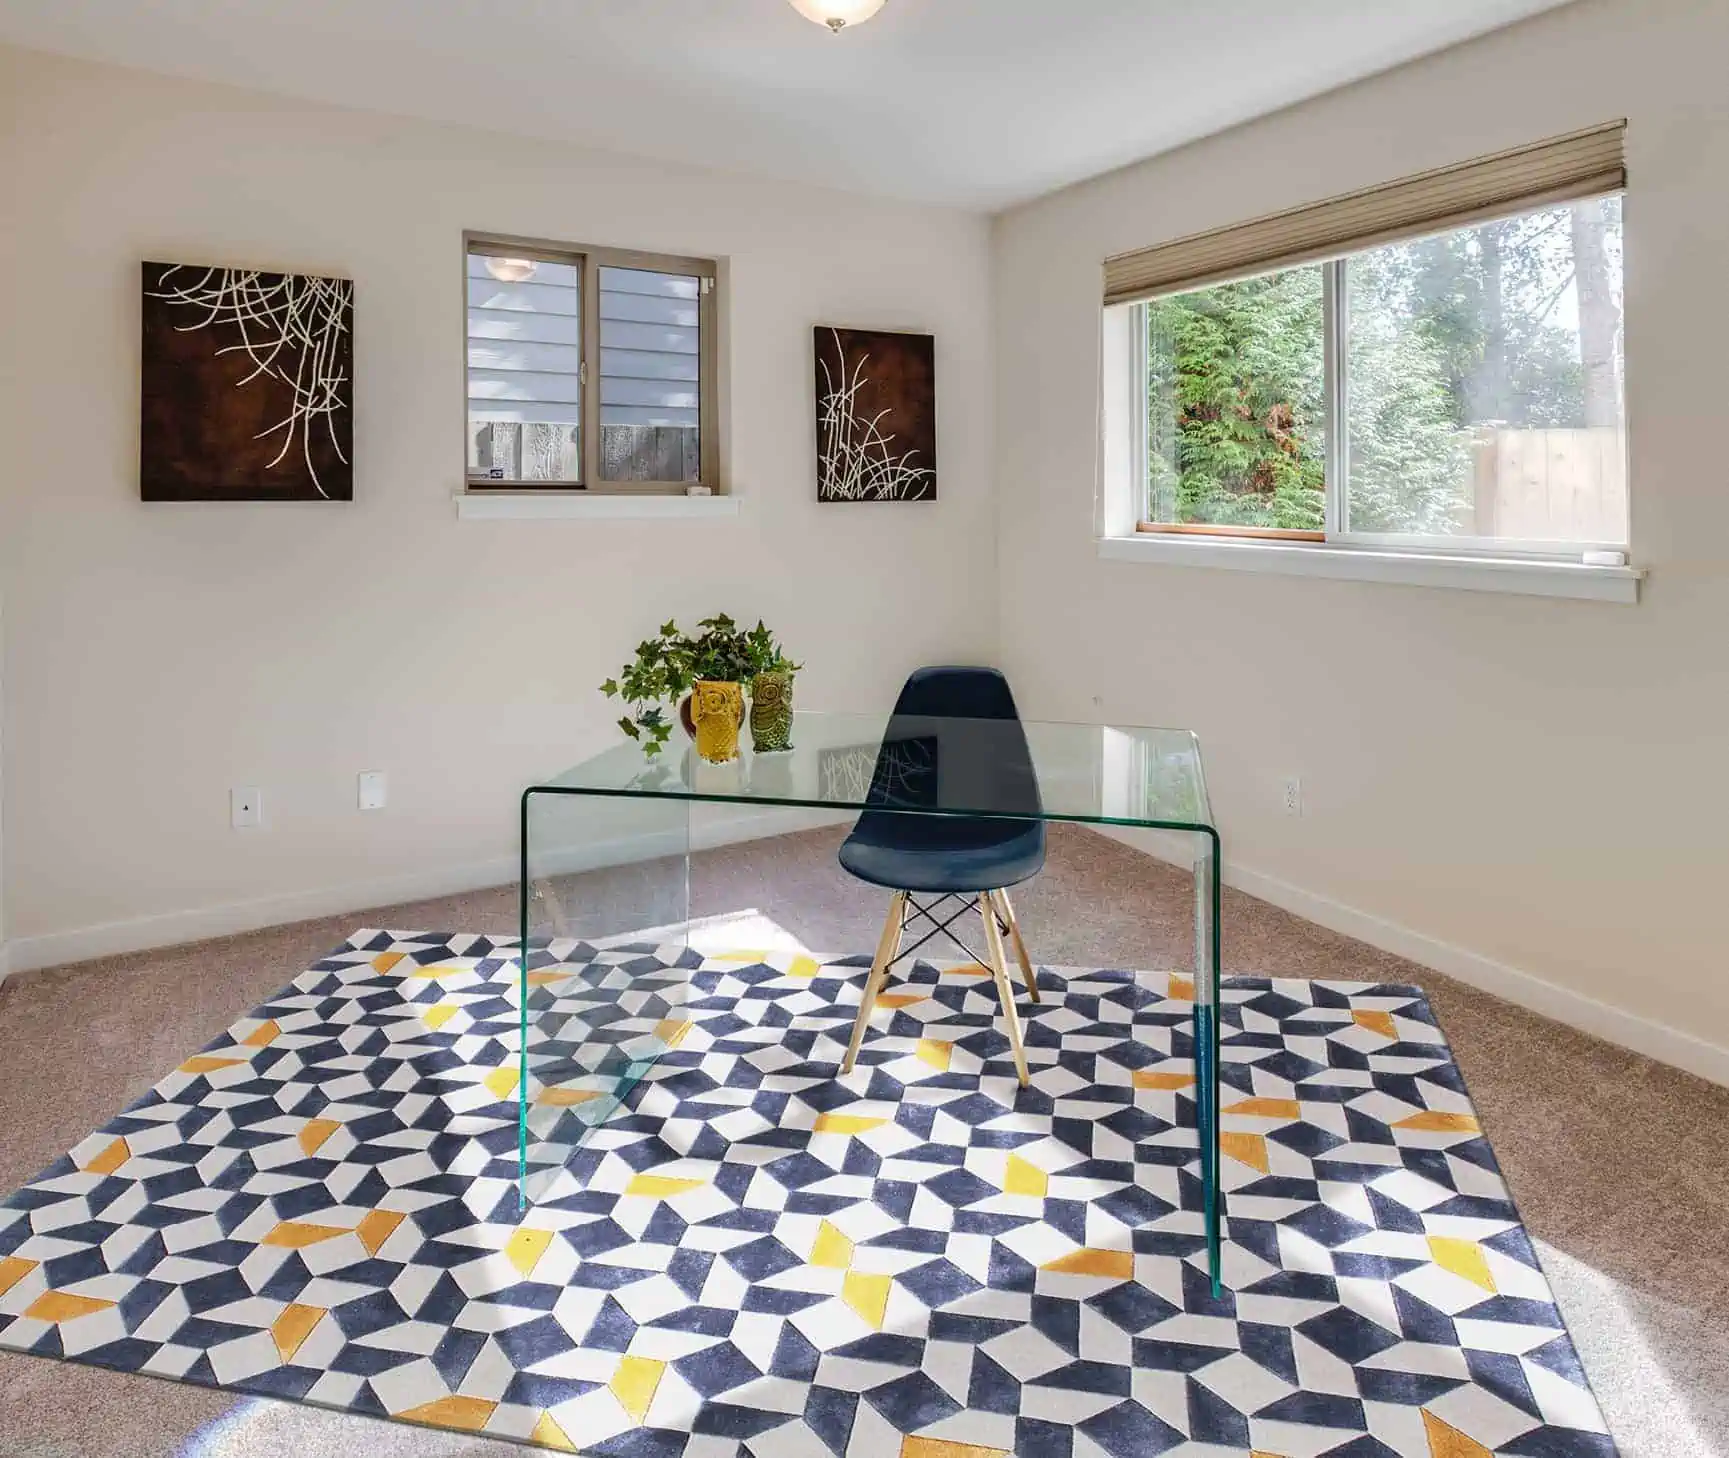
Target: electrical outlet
374	789
1293	796
246	808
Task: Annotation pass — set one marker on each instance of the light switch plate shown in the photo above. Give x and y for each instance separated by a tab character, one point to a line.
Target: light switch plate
374	790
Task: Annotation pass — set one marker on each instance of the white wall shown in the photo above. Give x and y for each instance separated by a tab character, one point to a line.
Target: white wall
1513	788
156	656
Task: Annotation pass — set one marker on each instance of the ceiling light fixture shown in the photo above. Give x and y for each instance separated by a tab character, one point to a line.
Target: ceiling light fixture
511	270
837	15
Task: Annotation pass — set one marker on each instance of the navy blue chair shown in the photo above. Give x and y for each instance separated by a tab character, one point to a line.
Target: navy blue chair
950	858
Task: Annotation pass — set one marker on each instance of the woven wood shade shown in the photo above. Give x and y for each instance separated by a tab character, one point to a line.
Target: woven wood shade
1582	164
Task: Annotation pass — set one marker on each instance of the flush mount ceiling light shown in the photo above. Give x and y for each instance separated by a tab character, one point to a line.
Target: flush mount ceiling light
511	270
837	15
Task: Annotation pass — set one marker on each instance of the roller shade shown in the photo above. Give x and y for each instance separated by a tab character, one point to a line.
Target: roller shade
1582	164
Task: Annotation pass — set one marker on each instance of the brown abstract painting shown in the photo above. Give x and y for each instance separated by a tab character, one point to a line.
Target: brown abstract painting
876	416
247	386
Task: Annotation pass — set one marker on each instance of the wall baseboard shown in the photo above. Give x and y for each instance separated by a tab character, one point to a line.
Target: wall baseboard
1586	1014
82	944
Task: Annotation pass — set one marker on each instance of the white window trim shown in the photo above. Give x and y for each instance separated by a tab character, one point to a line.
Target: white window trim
553	505
1539	569
1532	576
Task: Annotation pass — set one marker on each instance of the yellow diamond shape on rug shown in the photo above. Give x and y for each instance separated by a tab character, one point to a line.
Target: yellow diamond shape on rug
549	1435
1377	1022
1446	1441
868	1296
1169	1082
298	1234
111	1158
804	967
566	1098
1267	1109
206	1064
436	1017
262	1036
661	1187
936	1053
634	1385
848	1124
1025	1178
1464	1258
313	1133
1249	1149
947	1448
14	1269
1432	1121
900	999
291	1329
501	1082
59	1306
466	1414
377	1227
525	1248
833	1249
1114	1265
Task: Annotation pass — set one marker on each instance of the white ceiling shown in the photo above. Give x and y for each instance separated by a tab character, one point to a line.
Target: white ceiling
978	103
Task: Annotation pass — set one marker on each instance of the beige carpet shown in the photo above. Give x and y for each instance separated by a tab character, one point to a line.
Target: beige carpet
1620	1166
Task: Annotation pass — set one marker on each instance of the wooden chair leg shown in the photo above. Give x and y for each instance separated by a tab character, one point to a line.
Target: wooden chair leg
1027	969
888	945
1000	975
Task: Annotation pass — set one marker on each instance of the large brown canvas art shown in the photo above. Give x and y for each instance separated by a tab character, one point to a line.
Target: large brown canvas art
876	416
247	386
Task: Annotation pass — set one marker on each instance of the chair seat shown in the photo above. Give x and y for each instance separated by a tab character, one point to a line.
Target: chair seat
944	854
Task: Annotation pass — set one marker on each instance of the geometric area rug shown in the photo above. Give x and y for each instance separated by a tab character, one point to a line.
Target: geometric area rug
754	1257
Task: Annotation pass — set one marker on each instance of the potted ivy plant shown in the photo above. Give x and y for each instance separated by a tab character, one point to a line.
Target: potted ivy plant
712	668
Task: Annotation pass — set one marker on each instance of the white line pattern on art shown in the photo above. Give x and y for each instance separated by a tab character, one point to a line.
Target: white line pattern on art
291	328
857	462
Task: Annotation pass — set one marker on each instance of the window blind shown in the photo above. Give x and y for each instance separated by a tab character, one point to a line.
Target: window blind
1581	164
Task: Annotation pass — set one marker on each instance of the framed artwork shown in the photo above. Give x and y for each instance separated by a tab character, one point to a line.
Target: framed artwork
246	386
876	416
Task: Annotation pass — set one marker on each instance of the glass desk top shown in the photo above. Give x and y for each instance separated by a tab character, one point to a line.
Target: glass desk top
606	901
1087	773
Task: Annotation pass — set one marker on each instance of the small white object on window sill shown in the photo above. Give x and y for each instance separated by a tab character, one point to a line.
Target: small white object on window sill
590	506
1605	559
1534	577
698	491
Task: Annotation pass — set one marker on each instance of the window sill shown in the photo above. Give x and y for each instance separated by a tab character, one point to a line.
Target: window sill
590	506
1359	564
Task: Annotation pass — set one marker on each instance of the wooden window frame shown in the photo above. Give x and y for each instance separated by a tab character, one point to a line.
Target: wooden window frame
591	260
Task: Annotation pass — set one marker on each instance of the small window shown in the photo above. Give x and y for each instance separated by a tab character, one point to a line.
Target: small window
1462	391
590	369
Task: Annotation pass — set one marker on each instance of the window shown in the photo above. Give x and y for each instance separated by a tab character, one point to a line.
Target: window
590	369
1471	395
1434	364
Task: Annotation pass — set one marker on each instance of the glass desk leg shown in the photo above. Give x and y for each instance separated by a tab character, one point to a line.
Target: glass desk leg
603	969
1207	1045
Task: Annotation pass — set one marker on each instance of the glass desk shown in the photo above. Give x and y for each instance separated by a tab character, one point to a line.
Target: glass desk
606	864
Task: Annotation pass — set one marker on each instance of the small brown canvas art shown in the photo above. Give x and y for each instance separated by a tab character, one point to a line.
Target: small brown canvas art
247	386
876	416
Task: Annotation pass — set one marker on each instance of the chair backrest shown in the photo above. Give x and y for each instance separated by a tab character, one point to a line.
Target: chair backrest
991	768
957	693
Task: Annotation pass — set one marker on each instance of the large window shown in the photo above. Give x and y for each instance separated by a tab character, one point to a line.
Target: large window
1462	389
590	369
